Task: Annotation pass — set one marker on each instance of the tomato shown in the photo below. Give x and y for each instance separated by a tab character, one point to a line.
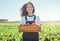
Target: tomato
26	24
34	24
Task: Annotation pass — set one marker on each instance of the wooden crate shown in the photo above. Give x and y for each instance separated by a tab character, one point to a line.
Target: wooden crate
30	29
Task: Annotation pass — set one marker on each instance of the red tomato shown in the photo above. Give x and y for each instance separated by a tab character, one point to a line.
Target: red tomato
26	24
34	24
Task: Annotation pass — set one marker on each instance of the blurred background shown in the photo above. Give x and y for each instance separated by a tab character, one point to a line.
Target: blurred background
47	10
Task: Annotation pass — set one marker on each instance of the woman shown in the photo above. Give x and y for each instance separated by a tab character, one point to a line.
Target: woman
29	17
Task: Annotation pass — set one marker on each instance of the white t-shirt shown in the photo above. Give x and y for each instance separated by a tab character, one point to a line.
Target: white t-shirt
30	18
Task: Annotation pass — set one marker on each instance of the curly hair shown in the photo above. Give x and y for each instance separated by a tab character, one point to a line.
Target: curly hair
23	9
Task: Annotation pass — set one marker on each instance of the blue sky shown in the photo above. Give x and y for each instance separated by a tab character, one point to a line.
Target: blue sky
47	10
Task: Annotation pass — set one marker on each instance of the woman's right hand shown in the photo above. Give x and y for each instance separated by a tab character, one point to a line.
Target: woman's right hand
19	27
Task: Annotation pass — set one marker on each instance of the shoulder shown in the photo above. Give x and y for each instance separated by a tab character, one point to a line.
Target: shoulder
37	17
23	17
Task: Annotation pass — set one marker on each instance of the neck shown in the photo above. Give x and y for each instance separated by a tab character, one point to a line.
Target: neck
30	14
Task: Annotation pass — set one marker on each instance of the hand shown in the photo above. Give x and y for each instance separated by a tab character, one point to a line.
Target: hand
27	23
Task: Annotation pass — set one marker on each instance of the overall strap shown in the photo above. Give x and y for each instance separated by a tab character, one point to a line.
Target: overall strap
26	17
34	17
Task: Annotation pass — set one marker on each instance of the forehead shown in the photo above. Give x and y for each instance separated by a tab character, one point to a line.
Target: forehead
29	5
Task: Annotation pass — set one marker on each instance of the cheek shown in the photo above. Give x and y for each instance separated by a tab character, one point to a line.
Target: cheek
31	8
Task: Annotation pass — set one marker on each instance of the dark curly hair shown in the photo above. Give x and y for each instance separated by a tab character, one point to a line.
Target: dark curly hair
23	9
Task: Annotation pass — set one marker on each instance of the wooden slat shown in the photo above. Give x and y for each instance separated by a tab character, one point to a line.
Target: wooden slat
30	29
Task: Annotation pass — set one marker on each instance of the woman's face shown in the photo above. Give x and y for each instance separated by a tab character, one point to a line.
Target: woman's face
29	8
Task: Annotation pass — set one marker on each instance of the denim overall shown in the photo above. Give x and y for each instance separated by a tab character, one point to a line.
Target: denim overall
30	36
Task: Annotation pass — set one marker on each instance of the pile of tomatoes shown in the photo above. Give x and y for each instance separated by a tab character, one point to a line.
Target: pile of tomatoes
33	24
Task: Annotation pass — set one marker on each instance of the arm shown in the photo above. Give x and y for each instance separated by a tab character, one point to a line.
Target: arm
22	23
39	22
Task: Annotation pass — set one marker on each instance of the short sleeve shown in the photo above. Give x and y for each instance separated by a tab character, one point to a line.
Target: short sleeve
23	21
38	20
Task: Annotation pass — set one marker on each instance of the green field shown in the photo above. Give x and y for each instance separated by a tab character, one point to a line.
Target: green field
10	31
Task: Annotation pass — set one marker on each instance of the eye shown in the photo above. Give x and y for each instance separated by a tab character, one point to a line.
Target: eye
30	7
